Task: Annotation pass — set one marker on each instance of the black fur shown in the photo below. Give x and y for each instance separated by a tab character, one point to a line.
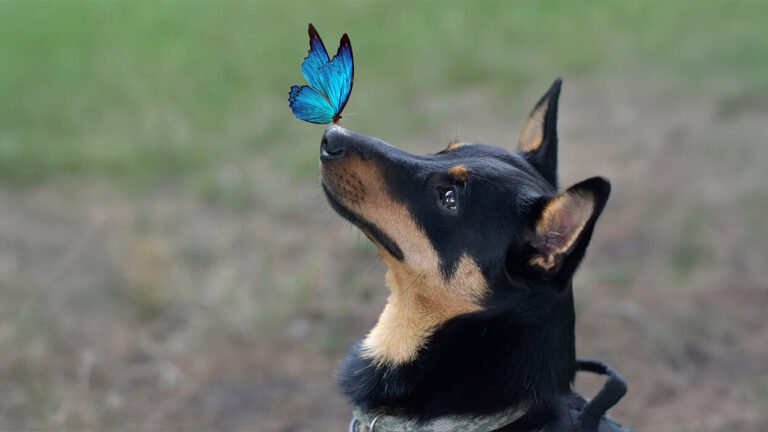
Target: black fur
475	364
520	349
545	157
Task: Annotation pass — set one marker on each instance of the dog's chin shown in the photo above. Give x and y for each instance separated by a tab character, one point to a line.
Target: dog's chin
369	229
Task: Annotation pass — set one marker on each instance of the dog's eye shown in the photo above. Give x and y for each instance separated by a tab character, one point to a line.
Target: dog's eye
448	197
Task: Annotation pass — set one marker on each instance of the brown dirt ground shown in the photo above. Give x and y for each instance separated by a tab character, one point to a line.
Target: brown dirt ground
170	311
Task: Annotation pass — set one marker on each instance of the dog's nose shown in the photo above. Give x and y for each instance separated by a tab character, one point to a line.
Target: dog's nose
333	144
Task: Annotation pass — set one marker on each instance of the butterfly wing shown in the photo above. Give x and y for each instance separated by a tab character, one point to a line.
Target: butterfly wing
310	105
337	77
316	58
330	82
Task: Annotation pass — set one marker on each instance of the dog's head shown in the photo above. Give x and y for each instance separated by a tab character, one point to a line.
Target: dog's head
472	228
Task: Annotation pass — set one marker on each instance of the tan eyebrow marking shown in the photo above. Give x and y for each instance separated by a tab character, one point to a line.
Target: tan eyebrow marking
459	172
454	146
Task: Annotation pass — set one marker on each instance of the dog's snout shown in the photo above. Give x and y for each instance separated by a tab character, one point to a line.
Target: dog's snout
339	143
333	145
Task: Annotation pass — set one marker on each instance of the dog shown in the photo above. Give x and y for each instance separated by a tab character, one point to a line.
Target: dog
480	248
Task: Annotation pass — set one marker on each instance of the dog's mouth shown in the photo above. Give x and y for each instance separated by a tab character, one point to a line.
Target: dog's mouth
369	229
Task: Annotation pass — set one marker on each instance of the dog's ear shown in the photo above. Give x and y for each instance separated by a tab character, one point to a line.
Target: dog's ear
538	140
564	227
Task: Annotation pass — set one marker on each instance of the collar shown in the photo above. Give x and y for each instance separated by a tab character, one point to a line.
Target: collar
379	421
585	416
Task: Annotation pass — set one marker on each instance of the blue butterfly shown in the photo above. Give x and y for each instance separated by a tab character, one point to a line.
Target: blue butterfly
330	82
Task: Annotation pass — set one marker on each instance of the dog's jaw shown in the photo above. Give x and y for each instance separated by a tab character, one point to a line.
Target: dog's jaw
421	297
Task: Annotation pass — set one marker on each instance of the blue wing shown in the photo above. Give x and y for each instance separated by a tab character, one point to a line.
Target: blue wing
310	105
337	77
315	59
330	82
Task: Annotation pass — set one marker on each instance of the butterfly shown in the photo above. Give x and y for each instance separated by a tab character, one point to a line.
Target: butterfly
330	82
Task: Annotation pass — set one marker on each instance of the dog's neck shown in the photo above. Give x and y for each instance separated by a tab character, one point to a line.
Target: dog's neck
477	363
418	305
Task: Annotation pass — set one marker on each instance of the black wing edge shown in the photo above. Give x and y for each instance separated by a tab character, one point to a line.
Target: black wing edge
313	34
345	41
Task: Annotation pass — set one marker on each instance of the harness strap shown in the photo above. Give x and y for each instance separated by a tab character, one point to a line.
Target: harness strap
614	389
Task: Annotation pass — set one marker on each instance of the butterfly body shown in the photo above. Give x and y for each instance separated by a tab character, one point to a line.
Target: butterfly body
330	82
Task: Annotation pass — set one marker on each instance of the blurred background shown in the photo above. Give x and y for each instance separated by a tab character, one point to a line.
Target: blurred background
168	261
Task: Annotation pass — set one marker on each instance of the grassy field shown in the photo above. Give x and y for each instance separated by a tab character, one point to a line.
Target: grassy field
167	260
144	92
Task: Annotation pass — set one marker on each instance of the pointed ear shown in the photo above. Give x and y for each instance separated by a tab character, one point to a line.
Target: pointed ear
564	226
538	140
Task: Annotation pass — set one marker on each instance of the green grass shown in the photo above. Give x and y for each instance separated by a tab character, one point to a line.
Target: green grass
141	92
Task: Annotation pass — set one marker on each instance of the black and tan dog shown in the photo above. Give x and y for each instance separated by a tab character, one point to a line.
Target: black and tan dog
481	249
